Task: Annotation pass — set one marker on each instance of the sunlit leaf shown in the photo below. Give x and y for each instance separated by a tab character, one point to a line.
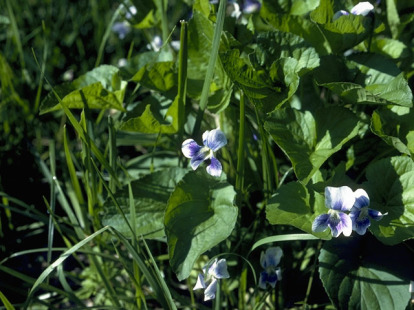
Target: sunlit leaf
151	194
100	88
159	76
200	214
390	186
309	138
293	204
272	13
393	126
365	79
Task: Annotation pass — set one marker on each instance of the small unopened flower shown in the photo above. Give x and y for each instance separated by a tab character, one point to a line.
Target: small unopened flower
213	141
269	261
362	8
338	200
208	280
360	213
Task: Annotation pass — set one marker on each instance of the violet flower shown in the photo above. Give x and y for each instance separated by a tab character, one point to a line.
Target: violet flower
269	261
338	200
213	141
208	280
360	213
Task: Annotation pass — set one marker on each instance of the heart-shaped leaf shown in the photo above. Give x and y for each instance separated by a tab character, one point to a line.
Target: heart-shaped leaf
200	214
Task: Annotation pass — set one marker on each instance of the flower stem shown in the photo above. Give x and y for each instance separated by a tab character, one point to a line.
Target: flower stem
240	152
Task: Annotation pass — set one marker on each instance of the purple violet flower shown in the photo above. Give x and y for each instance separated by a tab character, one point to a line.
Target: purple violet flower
213	141
338	200
269	261
208	280
360	213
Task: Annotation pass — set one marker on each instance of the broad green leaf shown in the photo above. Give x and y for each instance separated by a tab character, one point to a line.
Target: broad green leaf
393	125
101	88
150	121
361	273
256	83
200	214
293	204
365	79
200	43
267	88
390	47
159	76
278	44
310	138
272	13
347	31
324	13
390	186
291	7
151	194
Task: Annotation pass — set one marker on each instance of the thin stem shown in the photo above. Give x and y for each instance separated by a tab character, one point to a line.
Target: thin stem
240	152
305	302
211	65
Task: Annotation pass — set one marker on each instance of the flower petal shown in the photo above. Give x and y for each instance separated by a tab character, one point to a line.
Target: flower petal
251	6
210	292
215	167
362	8
361	198
320	224
340	222
214	139
200	284
360	221
198	159
190	148
339	198
263	280
375	215
271	258
219	269
339	14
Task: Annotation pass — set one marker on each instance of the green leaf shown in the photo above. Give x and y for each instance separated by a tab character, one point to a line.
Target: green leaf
365	79
256	83
200	44
394	125
390	186
277	44
159	76
272	13
100	88
347	31
151	122
390	47
200	214
324	13
291	7
293	204
310	138
361	273
151	194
